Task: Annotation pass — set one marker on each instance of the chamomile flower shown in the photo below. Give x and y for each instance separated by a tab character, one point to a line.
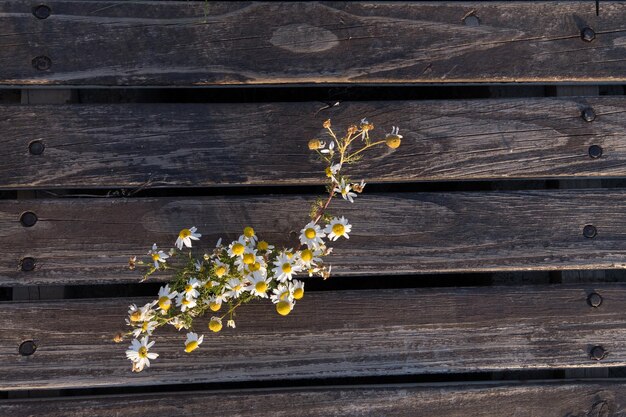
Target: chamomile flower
185	303
234	288
147	327
138	314
190	288
192	342
359	187
198	265
264	246
158	256
259	285
248	258
186	236
220	269
281	293
215	324
312	235
178	323
393	139
309	258
285	267
337	228
296	288
345	190
231	323
214	302
165	298
237	247
138	353
332	170
249	234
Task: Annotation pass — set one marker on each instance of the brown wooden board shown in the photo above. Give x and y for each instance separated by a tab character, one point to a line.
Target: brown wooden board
216	43
478	400
133	145
90	240
328	334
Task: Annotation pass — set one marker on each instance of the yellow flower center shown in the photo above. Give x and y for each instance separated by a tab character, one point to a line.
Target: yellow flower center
329	173
261	287
255	266
284	295
298	293
184	233
191	346
309	233
215	306
238	249
339	229
188	288
248	232
215	325
286	268
185	302
135	316
248	258
393	141
144	326
208	285
220	271
143	352
237	287
283	308
165	303
262	245
307	255
155	257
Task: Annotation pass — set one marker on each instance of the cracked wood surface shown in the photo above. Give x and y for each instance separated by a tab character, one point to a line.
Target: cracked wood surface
181	145
566	398
89	241
218	43
329	334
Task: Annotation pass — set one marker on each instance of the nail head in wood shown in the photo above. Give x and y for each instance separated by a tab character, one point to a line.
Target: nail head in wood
27	264
471	20
594	299
42	11
42	63
595	151
587	34
588	114
36	147
28	219
27	348
589	231
598	353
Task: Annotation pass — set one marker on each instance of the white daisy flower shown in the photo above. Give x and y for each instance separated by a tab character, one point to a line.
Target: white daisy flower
147	327
250	236
158	256
312	235
259	284
215	324
285	267
185	303
220	268
237	247
139	355
234	288
165	298
282	292
309	258
214	302
248	258
178	323
345	190
138	314
264	246
190	288
186	236
338	228
296	288
193	341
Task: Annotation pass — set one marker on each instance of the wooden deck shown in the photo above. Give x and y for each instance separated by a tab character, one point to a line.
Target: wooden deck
485	272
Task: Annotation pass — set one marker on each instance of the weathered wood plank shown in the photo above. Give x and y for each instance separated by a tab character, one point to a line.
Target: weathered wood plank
329	334
209	43
133	145
477	400
90	240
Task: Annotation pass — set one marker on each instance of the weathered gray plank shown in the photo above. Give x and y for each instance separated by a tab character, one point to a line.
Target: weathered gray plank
132	145
329	334
90	240
207	43
478	400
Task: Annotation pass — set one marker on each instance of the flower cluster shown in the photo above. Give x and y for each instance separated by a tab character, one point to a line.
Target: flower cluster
248	268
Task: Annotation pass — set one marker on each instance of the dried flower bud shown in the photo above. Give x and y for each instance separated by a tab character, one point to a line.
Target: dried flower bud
315	144
326	124
352	130
132	262
393	141
118	338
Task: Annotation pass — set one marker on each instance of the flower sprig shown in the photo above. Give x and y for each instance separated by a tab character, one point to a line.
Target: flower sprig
246	269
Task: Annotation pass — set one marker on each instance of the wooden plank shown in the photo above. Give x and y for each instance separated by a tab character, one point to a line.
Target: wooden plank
217	43
329	334
90	240
156	145
604	398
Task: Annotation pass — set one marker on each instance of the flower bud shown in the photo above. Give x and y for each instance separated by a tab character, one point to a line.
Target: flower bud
315	144
393	141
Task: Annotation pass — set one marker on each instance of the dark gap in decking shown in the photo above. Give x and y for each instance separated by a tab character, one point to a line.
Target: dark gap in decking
513	376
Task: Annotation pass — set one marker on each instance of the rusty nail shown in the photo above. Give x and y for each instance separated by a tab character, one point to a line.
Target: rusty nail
588	114
27	264
598	353
41	12
28	219
587	34
589	231
36	147
594	299
595	151
42	63
27	348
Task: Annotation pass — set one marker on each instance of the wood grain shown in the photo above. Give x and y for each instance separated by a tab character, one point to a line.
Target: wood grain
604	398
217	43
90	240
158	145
328	334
